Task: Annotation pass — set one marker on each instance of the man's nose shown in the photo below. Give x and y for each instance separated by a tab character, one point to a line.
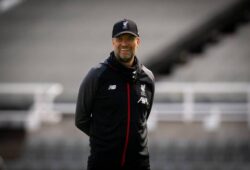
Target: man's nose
124	43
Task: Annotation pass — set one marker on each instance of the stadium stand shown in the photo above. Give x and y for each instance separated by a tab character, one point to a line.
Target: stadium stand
65	37
59	40
23	108
226	21
65	149
8	4
227	61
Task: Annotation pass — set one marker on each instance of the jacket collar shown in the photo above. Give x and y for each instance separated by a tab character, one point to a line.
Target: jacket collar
131	73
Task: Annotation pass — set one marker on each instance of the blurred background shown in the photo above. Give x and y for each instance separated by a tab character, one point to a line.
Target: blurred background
198	50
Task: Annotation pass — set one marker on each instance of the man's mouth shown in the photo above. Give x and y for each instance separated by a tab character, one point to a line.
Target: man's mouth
124	49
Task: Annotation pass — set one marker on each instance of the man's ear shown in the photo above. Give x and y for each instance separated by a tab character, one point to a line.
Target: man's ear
138	41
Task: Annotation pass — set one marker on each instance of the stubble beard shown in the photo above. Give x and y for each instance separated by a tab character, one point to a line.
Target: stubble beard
125	59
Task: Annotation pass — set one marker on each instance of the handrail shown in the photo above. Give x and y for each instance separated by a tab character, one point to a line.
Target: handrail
188	105
42	108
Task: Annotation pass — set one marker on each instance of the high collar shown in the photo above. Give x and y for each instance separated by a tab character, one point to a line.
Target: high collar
131	73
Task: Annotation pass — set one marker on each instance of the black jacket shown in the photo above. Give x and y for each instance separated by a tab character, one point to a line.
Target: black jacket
114	103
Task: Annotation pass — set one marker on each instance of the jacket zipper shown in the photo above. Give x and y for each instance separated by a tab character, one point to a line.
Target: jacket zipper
128	127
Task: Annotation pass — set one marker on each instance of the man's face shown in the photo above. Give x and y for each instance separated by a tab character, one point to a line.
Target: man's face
125	47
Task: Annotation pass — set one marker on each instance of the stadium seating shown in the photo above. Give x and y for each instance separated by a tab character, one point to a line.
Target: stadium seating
59	40
72	154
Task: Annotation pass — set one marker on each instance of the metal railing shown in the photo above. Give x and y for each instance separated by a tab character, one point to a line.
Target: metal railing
42	107
188	109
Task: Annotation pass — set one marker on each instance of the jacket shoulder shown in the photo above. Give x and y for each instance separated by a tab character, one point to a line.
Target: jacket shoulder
96	71
92	78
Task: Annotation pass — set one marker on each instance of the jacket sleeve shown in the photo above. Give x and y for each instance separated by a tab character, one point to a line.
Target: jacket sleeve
84	104
152	97
152	85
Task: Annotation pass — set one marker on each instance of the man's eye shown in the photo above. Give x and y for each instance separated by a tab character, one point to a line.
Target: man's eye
119	39
131	38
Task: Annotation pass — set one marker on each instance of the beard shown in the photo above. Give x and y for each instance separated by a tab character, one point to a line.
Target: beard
124	58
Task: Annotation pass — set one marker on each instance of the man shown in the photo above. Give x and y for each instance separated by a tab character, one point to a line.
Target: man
114	103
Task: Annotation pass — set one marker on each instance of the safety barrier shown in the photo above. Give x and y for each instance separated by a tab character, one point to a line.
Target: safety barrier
187	105
41	109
